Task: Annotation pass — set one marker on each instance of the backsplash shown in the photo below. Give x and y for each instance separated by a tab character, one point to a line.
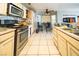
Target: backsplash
9	18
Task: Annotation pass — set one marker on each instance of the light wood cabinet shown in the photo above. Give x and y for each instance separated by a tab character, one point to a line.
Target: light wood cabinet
65	43
30	14
7	47
7	44
55	37
6	36
72	51
3	8
62	45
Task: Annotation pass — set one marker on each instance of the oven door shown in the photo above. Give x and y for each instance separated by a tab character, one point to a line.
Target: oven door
23	35
22	38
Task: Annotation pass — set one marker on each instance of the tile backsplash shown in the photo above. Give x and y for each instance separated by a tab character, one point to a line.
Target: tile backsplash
9	18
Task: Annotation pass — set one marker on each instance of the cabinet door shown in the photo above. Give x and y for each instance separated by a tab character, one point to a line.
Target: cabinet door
62	46
72	51
7	47
3	8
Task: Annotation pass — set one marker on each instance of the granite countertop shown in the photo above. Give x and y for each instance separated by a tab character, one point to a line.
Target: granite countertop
4	30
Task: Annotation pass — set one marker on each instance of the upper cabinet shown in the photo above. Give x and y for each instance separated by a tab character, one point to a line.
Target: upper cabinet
29	14
3	8
24	16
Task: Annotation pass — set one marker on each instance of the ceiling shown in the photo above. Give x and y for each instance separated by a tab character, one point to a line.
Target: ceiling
52	6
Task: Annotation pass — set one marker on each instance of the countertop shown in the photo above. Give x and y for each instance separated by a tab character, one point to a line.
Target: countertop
68	33
5	30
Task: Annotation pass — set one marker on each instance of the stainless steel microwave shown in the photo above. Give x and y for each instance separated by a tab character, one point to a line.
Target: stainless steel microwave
14	10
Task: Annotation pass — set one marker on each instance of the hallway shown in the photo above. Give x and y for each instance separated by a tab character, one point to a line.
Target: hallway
40	44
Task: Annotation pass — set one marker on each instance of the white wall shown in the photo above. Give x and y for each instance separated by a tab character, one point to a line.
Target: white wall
53	20
33	21
38	18
67	12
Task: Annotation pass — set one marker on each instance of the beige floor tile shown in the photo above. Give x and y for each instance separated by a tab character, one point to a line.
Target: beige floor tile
55	55
25	50
40	44
28	44
43	55
27	47
43	52
33	51
22	55
50	44
35	42
34	47
53	50
43	41
31	55
43	44
43	48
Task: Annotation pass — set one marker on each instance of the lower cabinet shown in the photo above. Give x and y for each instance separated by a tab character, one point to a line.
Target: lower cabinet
66	45
7	47
62	46
55	37
55	42
72	51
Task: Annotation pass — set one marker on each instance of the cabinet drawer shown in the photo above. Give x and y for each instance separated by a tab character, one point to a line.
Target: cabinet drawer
6	36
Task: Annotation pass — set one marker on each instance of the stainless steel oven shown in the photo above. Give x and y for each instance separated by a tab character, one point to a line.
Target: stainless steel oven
21	38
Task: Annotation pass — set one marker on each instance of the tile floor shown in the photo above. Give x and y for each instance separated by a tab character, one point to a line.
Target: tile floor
40	44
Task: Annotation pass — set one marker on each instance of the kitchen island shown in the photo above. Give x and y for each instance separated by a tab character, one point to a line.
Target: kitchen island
66	42
7	41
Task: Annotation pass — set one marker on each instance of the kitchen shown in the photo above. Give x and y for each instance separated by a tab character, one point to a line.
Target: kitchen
18	23
13	23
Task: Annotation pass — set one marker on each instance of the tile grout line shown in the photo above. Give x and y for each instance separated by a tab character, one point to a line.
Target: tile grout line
39	45
45	36
48	48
